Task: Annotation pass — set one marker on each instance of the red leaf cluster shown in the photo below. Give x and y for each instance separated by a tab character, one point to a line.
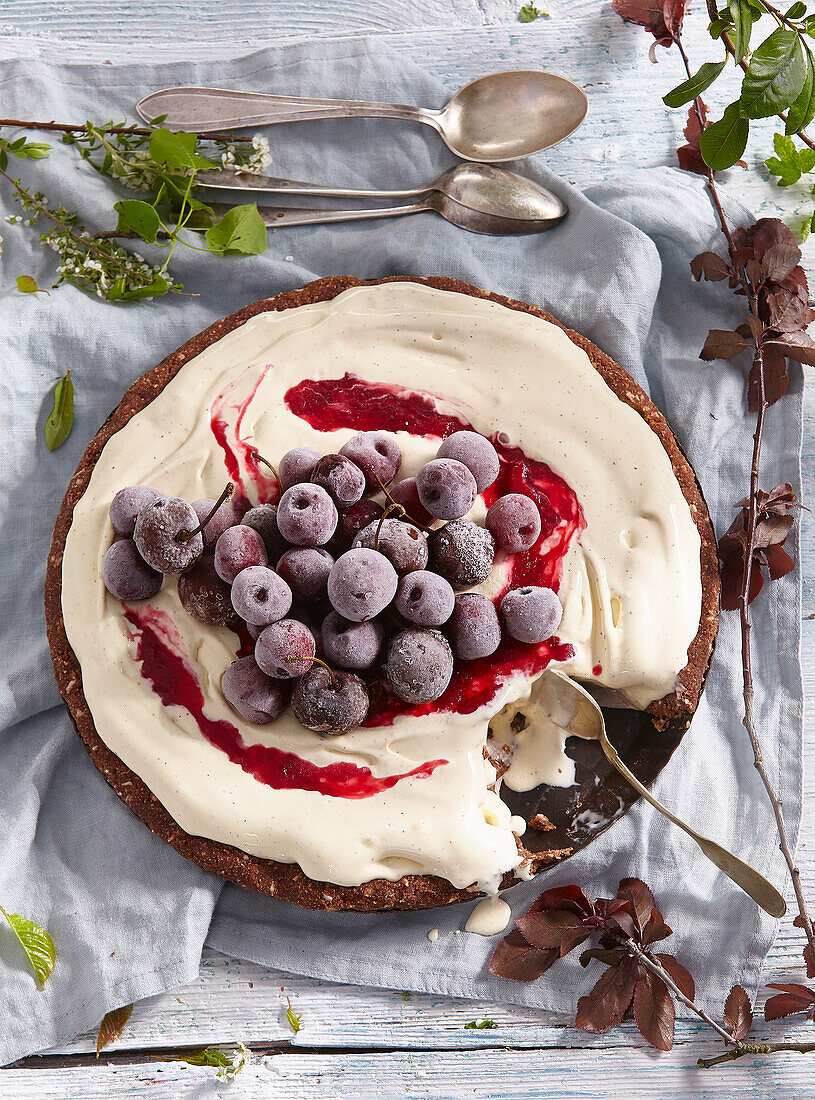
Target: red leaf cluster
773	523
793	998
765	258
562	918
661	18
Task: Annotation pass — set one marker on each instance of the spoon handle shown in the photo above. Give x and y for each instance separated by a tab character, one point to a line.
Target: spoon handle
248	181
746	877
291	215
202	110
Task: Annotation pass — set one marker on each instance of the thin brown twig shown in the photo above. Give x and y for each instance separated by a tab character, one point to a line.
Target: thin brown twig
139	131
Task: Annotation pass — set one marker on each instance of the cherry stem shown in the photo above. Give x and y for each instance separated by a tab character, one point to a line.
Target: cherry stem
404	515
259	458
334	680
394	509
185	536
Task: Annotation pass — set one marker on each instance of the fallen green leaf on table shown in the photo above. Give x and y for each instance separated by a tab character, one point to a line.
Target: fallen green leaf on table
529	13
37	944
27	284
61	419
228	1064
112	1026
480	1025
293	1017
790	163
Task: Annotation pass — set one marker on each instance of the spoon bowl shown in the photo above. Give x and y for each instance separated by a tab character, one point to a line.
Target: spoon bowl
509	115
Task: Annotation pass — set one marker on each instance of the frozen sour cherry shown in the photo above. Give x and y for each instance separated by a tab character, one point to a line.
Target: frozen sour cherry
463	552
353	519
330	702
305	570
263	519
127	575
259	596
162	534
306	515
424	598
477	454
341	478
297	465
285	649
514	522
403	545
474	630
236	549
447	489
531	614
229	513
407	494
378	456
126	505
254	695
361	584
205	596
351	645
419	665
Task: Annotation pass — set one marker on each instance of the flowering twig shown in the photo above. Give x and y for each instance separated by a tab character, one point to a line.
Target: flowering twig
70	128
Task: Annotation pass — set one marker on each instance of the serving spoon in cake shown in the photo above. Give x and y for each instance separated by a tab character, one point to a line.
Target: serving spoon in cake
577	713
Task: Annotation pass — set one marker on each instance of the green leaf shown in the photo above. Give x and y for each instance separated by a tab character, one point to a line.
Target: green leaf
61	420
37	944
27	284
722	143
293	1017
790	163
717	26
695	85
136	216
806	228
177	149
802	111
529	13
112	1025
480	1025
239	232
228	1065
118	291
743	18
797	10
775	75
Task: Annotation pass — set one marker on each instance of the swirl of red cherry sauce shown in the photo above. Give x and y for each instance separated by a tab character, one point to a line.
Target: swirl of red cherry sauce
166	665
351	402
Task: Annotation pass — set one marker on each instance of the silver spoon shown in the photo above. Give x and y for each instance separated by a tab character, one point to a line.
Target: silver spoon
502	116
586	721
477	197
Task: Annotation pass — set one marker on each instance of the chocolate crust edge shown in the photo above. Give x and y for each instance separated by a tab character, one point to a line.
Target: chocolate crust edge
284	880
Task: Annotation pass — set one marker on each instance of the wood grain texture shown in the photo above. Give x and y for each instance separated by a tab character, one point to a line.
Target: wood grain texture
371	1043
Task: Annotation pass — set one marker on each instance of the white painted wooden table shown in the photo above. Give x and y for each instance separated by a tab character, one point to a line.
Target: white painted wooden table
362	1042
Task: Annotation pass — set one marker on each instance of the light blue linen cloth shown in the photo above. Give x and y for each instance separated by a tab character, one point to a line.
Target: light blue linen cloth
128	915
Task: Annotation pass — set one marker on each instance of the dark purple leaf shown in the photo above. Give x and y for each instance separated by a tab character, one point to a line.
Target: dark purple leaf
738	1014
662	18
785	311
609	956
710	265
722	344
655	929
654	1012
776	378
793	998
639	896
573	938
518	961
607	1004
680	974
779	563
796	345
775	248
563	897
545	929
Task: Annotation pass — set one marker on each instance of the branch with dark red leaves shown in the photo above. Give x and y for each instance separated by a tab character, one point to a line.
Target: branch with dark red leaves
762	264
637	981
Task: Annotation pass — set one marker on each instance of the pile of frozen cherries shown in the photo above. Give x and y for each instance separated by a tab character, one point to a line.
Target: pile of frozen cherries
337	590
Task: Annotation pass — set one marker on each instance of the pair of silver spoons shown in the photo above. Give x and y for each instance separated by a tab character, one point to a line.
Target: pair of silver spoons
499	117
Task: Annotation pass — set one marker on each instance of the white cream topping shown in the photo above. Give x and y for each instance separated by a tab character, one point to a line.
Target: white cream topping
631	588
489	917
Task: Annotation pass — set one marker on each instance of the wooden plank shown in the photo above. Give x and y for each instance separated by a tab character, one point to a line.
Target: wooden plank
442	1075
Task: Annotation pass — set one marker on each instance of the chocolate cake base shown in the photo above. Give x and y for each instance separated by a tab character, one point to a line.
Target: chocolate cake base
286	880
